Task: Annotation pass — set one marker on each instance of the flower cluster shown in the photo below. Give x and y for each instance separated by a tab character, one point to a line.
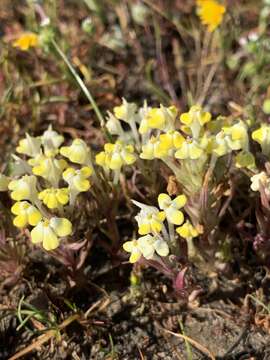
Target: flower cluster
186	144
157	239
45	182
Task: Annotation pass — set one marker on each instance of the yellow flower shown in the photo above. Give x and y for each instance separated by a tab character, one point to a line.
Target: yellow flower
78	152
4	181
114	125
147	246
78	179
190	149
262	136
231	138
54	198
126	111
48	232
194	120
26	40
211	13
29	146
149	219
156	118
152	149
171	207
51	140
133	248
171	140
161	118
24	188
48	167
187	231
26	214
116	155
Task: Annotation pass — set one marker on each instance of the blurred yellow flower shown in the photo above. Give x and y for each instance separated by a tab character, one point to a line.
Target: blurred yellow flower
211	13
26	214
54	198
26	40
48	232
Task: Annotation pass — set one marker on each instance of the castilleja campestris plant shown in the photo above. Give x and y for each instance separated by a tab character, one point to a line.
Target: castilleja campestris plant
46	179
200	151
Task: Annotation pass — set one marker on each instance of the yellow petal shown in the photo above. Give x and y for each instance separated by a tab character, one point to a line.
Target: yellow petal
20	221
50	240
68	173
258	135
81	184
164	200
109	147
135	256
182	153
175	217
61	226
195	152
180	201
156	226
161	216
161	248
34	216
128	246
37	233
51	201
86	171
18	207
186	119
129	158
144	229
100	158
65	151
62	196
116	162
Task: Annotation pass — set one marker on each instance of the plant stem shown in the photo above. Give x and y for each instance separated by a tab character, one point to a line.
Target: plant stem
80	83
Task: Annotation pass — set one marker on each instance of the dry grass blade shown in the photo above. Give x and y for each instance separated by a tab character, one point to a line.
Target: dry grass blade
42	339
197	345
